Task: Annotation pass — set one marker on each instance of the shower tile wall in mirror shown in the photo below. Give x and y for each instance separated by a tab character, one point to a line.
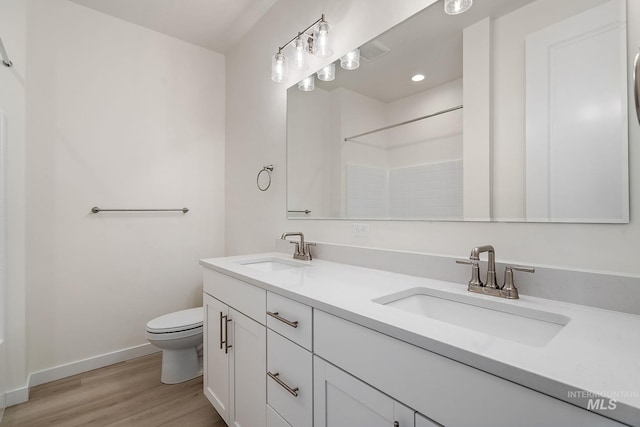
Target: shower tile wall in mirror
521	116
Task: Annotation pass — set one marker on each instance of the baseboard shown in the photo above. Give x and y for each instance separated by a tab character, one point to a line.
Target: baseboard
47	375
19	395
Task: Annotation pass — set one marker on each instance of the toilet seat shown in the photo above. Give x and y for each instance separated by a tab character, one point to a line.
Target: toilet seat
188	321
179	336
173	336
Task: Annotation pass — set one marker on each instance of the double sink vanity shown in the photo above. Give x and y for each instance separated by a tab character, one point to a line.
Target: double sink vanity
299	343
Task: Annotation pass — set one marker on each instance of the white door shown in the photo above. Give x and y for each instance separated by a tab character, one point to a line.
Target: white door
248	340
342	400
576	118
216	360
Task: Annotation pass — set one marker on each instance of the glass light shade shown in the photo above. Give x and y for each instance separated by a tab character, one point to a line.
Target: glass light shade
321	40
454	7
300	54
327	73
279	67
351	60
307	84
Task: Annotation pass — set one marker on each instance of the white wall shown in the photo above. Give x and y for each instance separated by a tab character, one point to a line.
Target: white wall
256	133
309	189
359	114
118	117
431	140
12	102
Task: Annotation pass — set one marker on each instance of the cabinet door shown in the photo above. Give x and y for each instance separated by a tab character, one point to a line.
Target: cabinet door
248	340
216	360
342	400
422	421
274	419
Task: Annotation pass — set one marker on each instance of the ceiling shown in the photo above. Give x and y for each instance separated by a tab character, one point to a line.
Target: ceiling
430	43
213	24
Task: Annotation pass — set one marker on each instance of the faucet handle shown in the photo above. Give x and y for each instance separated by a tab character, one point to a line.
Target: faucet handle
297	247
307	251
521	268
475	271
509	287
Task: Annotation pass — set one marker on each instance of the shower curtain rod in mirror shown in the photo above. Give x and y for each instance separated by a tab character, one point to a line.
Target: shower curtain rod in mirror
448	110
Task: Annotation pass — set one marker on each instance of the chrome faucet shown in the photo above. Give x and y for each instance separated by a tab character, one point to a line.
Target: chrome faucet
491	266
508	289
302	249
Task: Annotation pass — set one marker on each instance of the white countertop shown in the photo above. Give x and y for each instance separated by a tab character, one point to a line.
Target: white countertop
598	351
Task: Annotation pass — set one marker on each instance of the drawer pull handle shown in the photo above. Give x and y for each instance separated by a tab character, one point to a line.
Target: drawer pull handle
221	340
276	315
293	391
226	335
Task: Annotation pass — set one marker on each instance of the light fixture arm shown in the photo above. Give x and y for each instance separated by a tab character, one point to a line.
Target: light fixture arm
321	19
308	41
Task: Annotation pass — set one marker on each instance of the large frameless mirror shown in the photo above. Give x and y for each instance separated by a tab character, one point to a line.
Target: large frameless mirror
515	110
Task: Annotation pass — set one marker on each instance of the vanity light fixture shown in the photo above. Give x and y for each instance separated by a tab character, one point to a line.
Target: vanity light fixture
351	60
418	78
327	73
455	7
279	67
300	54
303	43
321	40
307	84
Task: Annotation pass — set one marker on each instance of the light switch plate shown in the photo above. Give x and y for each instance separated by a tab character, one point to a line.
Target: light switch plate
359	229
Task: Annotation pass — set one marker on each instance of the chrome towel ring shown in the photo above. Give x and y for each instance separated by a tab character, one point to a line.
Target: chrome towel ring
268	169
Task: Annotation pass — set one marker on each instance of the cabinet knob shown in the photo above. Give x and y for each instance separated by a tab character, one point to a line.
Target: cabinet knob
396	424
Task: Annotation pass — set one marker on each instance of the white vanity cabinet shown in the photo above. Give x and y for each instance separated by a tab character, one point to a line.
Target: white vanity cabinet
235	350
216	360
449	392
271	361
343	400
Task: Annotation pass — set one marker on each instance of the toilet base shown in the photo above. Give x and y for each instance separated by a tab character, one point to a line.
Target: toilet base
180	365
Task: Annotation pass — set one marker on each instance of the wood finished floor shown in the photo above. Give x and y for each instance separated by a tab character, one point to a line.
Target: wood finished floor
125	394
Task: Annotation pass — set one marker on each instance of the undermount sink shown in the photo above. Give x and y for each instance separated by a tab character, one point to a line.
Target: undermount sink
271	264
501	319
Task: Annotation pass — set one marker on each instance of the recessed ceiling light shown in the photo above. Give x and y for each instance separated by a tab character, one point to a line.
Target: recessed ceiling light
454	7
418	78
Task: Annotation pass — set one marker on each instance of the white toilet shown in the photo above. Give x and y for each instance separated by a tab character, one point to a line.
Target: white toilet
179	335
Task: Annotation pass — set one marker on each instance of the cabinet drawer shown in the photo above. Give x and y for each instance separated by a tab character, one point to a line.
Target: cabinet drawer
274	419
438	386
293	366
245	298
282	312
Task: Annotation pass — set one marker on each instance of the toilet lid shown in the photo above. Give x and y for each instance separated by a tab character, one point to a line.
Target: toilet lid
178	321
